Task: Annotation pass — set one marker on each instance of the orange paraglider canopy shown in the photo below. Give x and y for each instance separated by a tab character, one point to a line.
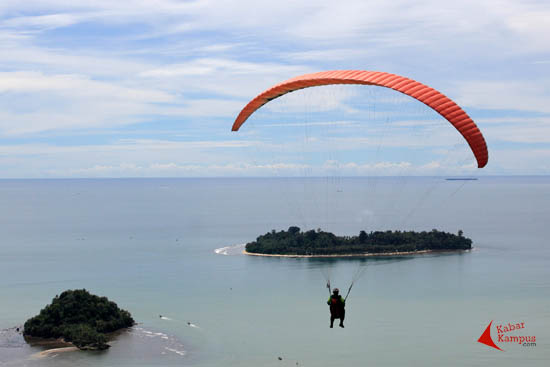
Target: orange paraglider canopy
429	96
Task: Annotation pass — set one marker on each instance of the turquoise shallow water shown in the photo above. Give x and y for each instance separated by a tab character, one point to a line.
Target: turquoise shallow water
149	244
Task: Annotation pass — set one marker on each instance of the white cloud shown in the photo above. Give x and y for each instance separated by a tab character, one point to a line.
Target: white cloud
211	66
75	102
186	170
311	124
222	76
212	107
79	85
401	168
41	22
49	102
21	53
247	169
125	145
520	161
528	132
505	95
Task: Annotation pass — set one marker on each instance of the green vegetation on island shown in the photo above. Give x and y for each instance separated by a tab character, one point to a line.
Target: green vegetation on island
319	243
80	318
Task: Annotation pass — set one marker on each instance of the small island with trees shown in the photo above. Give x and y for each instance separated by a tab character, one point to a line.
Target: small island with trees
318	243
80	318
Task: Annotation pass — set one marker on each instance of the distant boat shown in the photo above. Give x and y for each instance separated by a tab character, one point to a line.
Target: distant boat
461	179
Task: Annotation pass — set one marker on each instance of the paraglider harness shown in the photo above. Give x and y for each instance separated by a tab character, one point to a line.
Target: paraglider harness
337	305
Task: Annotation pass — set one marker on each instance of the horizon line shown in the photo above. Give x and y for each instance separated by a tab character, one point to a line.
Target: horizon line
267	177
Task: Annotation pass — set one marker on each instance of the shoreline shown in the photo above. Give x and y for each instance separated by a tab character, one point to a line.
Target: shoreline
47	352
59	345
367	254
52	345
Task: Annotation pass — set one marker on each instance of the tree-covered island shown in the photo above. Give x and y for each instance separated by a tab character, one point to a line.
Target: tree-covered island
80	318
319	243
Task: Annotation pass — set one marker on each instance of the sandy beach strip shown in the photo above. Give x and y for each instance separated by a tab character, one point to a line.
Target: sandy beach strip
397	253
49	352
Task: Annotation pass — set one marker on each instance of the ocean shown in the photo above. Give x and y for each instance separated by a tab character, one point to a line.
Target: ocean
169	251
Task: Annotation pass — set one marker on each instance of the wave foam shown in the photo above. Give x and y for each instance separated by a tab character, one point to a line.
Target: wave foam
180	352
167	342
230	250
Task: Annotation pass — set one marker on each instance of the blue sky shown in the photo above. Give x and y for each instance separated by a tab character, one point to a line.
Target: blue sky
151	88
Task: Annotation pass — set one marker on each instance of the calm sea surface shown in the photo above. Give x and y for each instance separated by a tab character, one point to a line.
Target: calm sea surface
170	247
